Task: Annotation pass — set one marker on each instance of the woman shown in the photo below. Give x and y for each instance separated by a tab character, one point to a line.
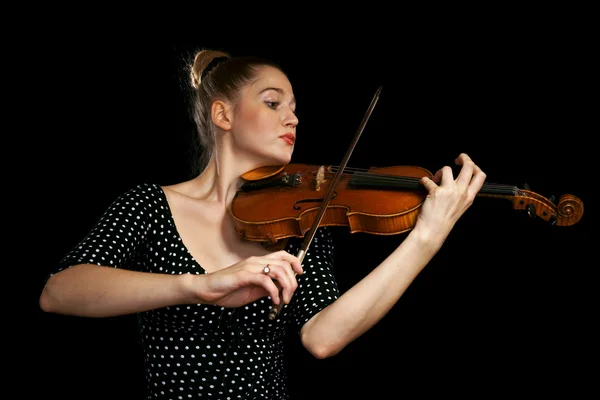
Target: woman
172	255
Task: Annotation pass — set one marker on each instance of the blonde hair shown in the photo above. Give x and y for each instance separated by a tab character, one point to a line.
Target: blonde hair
201	61
216	75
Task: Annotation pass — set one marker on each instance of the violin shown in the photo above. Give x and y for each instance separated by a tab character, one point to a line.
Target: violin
294	200
281	202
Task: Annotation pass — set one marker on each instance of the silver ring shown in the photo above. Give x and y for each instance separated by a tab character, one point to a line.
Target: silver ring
266	269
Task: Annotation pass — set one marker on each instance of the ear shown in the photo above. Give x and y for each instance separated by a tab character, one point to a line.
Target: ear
221	114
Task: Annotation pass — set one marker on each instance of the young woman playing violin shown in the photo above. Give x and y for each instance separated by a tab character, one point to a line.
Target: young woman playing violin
171	253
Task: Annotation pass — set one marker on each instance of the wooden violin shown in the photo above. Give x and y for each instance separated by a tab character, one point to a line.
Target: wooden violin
282	202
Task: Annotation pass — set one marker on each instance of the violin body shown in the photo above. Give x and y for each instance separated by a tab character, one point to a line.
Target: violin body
280	211
281	202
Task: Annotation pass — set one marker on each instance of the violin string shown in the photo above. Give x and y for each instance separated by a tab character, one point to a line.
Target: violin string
411	181
396	178
488	187
406	178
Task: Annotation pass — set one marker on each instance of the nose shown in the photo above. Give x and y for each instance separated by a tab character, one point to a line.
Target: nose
290	119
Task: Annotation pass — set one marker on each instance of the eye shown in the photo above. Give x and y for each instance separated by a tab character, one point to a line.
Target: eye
272	104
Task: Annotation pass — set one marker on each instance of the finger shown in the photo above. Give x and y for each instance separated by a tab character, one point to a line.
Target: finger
443	176
429	184
437	177
466	172
462	157
282	260
267	283
291	259
291	274
282	273
447	176
476	182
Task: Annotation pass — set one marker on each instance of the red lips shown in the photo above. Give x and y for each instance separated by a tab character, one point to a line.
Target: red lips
289	137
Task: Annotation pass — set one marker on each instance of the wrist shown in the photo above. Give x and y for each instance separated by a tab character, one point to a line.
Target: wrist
428	238
190	285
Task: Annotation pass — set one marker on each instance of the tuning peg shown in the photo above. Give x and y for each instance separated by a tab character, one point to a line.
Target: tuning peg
531	210
552	198
526	186
552	219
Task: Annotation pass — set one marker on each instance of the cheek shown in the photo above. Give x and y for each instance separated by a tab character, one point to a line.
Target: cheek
245	116
254	120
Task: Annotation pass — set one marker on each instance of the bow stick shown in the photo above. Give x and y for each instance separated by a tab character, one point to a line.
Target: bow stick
276	309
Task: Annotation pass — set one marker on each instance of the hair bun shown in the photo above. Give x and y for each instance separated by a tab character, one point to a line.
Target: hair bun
204	61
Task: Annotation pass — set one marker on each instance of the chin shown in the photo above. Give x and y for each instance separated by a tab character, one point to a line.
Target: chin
286	159
274	159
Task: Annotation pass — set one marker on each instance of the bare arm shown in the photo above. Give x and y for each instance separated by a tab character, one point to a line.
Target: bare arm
369	300
94	291
363	305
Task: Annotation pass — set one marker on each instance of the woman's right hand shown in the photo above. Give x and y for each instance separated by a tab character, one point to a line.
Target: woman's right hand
246	281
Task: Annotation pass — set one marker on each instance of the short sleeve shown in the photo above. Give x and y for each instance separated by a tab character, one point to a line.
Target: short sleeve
116	237
317	287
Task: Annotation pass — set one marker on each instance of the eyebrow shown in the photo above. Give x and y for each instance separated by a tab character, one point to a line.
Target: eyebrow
278	90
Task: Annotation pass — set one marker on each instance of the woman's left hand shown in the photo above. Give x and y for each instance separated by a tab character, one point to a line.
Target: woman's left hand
448	198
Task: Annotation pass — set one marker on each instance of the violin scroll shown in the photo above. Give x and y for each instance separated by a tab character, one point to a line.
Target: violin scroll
567	212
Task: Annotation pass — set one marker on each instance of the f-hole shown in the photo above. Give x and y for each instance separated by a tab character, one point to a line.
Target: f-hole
297	204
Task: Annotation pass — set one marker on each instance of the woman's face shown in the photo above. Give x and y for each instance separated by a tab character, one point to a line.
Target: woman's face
264	120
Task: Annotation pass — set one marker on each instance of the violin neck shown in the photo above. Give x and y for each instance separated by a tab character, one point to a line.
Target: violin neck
567	211
391	182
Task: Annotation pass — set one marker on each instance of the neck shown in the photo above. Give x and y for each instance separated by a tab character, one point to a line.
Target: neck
220	180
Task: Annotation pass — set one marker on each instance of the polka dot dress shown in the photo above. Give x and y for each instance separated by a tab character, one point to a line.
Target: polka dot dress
193	351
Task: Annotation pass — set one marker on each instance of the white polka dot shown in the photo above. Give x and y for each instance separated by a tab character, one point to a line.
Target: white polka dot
140	228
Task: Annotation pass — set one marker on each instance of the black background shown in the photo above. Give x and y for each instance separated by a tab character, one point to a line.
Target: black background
504	307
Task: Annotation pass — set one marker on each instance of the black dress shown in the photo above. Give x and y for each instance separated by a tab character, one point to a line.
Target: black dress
193	351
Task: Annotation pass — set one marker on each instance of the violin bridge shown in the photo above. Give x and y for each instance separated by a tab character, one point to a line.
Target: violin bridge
319	178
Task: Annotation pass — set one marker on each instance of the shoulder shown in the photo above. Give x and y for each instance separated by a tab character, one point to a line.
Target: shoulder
141	196
143	190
